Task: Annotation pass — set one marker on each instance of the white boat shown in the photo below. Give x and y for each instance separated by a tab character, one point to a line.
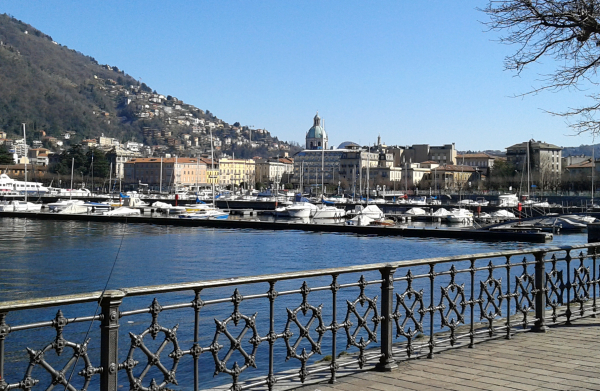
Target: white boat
418	200
462	216
329	212
416	212
19	206
206	214
441	212
123	211
62	204
7	184
75	207
360	220
64	193
371	211
508	200
281	211
301	210
503	214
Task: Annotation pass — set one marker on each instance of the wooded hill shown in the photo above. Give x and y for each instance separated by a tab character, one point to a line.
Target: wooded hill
56	89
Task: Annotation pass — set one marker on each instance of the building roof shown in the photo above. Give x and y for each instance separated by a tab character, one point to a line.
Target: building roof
455	168
348	145
166	160
535	145
584	164
475	156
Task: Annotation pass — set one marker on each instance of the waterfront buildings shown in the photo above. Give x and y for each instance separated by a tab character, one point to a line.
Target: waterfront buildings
235	172
544	159
167	174
117	156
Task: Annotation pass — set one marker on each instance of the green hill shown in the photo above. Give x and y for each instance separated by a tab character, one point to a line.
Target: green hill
56	89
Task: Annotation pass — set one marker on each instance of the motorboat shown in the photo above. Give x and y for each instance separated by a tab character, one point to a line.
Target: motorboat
75	207
508	200
62	204
7	184
416	212
301	208
325	211
462	216
360	220
371	211
418	200
122	211
503	214
206	214
19	206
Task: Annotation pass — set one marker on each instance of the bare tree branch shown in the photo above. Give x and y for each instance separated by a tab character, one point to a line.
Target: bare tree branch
567	31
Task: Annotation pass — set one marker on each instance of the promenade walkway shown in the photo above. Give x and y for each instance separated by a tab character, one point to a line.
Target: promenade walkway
567	357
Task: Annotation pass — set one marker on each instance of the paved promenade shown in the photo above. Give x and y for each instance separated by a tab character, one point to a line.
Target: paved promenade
564	358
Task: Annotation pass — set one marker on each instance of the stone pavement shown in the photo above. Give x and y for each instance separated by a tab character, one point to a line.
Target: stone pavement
564	358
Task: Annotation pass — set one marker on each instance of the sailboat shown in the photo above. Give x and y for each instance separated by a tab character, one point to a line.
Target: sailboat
370	213
208	212
326	210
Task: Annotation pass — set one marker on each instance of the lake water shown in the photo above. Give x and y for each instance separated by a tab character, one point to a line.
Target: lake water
49	258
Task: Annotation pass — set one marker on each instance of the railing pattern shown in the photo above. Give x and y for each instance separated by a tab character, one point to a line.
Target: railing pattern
393	311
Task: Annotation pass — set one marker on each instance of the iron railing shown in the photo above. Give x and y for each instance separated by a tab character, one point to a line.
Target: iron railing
378	313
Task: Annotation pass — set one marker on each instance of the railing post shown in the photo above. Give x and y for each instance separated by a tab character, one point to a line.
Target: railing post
109	339
540	295
387	362
4	330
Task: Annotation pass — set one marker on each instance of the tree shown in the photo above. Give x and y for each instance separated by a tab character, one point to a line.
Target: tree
567	31
5	156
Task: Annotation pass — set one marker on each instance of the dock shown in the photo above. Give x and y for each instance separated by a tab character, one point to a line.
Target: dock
565	358
446	233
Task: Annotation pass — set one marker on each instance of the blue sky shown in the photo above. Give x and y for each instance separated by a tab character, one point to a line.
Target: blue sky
418	72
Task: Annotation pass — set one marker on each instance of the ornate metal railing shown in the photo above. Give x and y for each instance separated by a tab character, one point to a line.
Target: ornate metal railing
288	326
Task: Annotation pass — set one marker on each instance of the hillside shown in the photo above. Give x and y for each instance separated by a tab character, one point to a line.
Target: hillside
59	90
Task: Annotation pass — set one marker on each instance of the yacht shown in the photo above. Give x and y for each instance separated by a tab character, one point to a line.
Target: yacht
508	200
325	211
7	184
463	216
19	206
301	208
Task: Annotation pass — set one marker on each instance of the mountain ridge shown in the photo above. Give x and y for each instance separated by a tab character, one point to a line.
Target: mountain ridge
60	90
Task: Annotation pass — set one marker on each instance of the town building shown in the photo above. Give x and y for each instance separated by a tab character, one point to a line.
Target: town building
483	161
455	177
269	171
445	154
166	174
545	161
235	172
118	157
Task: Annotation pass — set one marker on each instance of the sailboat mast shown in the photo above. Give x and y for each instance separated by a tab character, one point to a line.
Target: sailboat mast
368	166
528	185
25	160
212	162
593	169
302	177
160	179
72	170
323	162
109	179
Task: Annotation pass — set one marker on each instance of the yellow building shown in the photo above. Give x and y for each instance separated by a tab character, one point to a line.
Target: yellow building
177	173
233	172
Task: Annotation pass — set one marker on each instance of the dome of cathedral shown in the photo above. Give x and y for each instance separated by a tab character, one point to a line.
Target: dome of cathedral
317	130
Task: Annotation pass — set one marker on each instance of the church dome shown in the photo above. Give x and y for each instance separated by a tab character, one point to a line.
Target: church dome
317	130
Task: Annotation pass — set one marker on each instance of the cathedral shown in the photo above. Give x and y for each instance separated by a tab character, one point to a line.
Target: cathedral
316	138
